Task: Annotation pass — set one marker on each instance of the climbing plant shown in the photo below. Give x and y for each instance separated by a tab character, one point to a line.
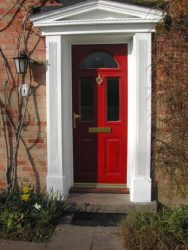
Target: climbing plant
170	104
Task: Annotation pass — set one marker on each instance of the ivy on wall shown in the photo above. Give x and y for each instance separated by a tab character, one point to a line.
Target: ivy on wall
170	105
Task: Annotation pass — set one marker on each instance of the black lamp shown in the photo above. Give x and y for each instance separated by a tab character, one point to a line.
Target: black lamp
21	63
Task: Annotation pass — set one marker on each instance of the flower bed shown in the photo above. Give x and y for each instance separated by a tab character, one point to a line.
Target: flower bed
28	216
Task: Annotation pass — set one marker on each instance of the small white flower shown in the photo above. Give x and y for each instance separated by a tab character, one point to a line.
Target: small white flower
53	195
37	206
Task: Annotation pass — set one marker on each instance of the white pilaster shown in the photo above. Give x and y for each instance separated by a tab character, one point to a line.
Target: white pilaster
55	175
140	190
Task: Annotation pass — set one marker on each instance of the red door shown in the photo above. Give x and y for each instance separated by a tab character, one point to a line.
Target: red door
100	113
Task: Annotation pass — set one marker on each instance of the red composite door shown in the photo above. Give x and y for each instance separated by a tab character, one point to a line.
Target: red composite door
99	77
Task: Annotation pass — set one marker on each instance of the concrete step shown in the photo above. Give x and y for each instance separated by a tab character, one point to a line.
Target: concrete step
104	190
104	203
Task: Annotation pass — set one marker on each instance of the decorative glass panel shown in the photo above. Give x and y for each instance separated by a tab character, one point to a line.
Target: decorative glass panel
87	99
99	60
112	99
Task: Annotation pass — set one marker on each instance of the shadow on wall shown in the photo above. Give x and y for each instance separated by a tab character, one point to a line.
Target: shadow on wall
39	72
39	77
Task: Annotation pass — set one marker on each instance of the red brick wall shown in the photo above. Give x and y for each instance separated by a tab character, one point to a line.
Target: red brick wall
170	102
32	158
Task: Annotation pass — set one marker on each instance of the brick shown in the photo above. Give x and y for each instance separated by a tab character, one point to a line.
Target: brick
2	11
2	184
8	41
42	163
2	157
35	141
26	168
43	170
42	123
27	174
19	162
2	167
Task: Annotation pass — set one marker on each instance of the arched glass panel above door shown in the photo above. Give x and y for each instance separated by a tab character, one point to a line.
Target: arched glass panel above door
99	59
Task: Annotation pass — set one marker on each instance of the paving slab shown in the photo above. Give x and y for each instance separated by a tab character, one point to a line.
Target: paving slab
19	245
68	237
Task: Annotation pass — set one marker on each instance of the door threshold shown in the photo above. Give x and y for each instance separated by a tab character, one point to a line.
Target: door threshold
99	188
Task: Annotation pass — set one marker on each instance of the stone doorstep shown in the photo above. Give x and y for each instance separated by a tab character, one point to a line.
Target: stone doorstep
99	190
104	203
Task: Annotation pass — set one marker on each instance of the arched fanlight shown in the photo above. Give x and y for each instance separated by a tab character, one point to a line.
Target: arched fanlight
99	59
21	63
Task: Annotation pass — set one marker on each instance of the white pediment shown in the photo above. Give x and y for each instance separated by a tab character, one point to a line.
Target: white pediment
98	9
100	15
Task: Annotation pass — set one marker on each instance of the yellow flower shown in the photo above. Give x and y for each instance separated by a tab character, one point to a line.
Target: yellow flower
25	190
25	197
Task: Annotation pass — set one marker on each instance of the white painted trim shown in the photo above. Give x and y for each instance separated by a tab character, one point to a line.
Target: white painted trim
140	189
131	114
55	173
140	179
98	29
95	21
67	42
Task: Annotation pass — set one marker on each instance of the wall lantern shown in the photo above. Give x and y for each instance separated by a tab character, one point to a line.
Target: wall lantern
21	63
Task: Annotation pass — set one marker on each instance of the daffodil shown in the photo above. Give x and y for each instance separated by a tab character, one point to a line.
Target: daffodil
25	197
25	190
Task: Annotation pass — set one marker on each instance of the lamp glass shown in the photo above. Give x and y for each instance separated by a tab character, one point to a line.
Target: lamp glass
21	64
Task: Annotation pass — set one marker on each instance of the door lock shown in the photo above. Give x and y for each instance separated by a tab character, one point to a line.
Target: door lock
75	117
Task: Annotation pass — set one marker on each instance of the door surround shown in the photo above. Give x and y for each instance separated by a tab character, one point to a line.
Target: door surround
60	113
62	31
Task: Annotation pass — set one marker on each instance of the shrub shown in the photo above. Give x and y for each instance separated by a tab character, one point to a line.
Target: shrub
26	215
165	229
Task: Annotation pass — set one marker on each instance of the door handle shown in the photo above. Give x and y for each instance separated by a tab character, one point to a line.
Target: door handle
75	117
